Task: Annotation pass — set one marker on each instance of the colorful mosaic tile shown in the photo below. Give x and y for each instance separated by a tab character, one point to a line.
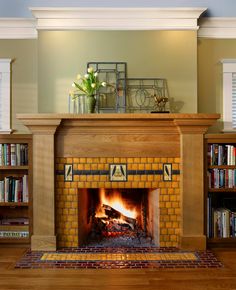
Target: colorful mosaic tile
118	258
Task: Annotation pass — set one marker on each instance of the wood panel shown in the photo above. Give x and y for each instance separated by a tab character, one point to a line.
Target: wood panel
136	145
192	191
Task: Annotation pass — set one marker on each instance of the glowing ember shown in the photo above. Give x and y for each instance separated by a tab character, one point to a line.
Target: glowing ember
115	201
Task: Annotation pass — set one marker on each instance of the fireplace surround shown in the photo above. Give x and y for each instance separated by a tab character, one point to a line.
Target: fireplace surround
142	141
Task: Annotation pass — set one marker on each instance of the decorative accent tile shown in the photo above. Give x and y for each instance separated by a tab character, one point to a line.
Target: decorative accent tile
68	172
119	257
167	171
118	172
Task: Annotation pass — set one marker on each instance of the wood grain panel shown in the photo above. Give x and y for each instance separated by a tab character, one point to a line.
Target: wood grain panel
117	146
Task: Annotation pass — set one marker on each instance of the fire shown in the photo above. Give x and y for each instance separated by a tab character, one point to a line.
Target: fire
115	201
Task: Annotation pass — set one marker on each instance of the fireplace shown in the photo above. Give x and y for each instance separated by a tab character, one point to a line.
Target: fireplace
144	142
157	201
118	217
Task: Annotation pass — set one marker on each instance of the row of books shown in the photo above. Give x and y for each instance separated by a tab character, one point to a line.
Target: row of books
14	227
221	222
13	154
18	221
221	178
14	189
14	234
221	154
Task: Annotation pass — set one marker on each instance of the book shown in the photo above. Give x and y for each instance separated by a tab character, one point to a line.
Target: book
25	192
18	156
2	191
14	234
16	228
15	221
1	155
13	154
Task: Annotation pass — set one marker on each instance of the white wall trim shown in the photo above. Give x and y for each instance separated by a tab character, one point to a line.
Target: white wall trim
229	67
17	28
217	27
116	18
5	95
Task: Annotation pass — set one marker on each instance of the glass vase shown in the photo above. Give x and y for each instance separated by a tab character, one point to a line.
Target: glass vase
90	103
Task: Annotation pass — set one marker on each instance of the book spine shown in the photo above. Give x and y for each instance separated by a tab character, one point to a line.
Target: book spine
13	154
1	155
2	192
14	234
18	160
25	188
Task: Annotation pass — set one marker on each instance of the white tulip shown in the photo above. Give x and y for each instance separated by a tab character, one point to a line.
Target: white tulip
73	85
93	85
86	76
90	70
104	84
96	74
78	77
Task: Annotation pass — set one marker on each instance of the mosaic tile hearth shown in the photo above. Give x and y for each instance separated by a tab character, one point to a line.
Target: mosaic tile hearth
118	258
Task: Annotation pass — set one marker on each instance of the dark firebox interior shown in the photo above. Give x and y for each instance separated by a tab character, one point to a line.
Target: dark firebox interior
103	224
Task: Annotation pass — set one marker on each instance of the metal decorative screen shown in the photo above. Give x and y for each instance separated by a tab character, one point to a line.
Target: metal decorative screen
147	95
111	98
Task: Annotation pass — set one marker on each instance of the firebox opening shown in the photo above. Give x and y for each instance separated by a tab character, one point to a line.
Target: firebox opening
118	217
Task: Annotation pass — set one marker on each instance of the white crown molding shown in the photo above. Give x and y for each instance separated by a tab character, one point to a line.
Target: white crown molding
116	18
17	28
217	27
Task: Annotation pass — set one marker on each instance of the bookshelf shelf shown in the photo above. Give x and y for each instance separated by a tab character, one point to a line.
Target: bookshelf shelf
222	166
14	240
230	190
220	175
15	188
14	204
25	167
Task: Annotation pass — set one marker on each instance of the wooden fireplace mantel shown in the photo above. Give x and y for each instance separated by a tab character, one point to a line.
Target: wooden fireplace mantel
118	135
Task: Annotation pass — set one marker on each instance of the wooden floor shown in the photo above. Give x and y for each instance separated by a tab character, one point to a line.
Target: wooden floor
163	279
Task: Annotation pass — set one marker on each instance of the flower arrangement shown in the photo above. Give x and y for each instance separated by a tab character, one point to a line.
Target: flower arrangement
88	84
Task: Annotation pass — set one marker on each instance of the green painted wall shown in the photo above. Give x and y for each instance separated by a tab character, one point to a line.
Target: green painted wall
210	78
168	54
24	77
210	54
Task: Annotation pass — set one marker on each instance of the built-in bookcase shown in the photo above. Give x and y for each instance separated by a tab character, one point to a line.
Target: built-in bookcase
220	189
15	188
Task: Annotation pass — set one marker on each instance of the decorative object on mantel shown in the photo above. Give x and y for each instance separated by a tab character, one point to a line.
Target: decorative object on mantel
115	93
89	84
112	98
160	104
147	94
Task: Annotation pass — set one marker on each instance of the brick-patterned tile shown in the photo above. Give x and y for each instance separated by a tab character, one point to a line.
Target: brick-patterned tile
118	258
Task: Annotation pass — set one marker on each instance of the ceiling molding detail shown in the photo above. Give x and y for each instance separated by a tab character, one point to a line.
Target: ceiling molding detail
18	28
116	18
217	27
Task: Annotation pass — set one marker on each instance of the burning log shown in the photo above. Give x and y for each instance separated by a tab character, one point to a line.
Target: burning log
115	214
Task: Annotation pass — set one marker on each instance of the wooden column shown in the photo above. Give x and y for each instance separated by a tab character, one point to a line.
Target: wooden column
43	237
192	183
